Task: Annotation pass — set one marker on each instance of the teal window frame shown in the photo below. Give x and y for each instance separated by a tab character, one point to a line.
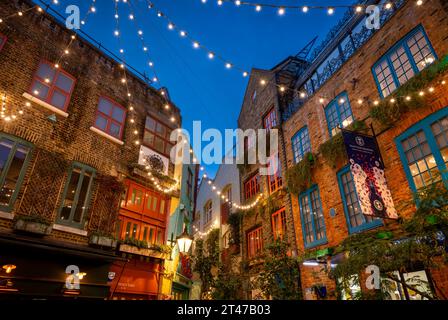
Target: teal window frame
387	58
336	113
83	168
8	162
365	225
323	240
300	144
425	126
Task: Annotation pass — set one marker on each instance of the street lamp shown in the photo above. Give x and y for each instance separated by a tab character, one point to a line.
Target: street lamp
184	241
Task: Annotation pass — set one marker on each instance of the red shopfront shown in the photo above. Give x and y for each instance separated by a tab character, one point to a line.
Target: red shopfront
142	218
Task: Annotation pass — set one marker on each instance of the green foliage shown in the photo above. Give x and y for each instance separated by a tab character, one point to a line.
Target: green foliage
234	221
33	218
388	113
212	245
279	277
227	285
298	177
162	248
333	150
141	244
417	244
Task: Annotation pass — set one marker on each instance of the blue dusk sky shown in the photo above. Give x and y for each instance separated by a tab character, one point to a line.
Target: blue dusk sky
202	88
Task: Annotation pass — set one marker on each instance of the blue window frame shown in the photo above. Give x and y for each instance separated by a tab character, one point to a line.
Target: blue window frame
15	155
300	144
338	113
356	220
423	150
76	197
311	213
406	58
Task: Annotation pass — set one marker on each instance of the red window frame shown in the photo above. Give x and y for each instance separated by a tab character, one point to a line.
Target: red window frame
109	117
252	186
166	139
254	242
52	87
270	119
275	180
3	40
140	231
147	195
278	219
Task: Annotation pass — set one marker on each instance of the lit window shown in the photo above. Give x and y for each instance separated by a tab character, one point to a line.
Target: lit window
301	144
313	225
275	177
254	242
14	158
423	150
338	113
157	136
208	212
279	224
405	59
110	117
76	198
53	86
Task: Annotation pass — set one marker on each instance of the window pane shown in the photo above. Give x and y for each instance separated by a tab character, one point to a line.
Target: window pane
58	100
118	114
148	138
64	83
101	123
114	129
161	130
45	71
159	145
70	195
82	205
5	148
39	90
12	176
162	207
150	124
105	106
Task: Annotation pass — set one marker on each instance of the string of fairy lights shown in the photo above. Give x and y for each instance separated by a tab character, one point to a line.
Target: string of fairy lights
282	8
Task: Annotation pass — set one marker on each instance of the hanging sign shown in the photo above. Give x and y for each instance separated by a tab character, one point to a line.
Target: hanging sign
367	169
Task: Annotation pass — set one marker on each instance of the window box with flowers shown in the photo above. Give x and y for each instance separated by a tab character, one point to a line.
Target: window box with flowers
32	224
102	240
142	248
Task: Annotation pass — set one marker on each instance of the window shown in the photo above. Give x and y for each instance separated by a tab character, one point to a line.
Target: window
252	186
338	113
301	144
423	150
140	230
270	120
3	39
356	220
14	157
76	197
408	57
279	224
208	212
313	225
110	117
157	136
274	178
254	242
190	185
53	86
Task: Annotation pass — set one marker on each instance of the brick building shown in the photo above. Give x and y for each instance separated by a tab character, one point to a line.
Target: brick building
81	164
261	110
354	71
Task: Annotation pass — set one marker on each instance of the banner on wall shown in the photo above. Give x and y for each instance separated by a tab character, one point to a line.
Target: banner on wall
367	169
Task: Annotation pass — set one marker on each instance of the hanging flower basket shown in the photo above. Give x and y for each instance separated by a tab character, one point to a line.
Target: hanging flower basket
32	224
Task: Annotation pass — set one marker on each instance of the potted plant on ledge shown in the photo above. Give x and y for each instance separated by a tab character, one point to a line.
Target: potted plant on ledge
35	224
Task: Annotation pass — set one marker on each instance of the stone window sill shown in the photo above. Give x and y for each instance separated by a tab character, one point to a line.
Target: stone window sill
107	136
61	227
45	105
